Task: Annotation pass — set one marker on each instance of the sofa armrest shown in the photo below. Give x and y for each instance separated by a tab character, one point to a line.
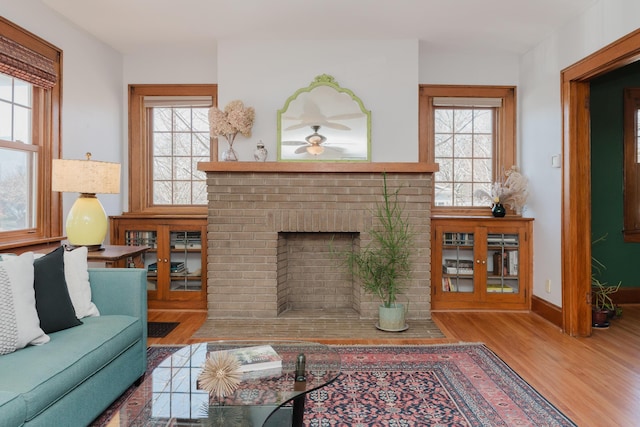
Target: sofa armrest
120	291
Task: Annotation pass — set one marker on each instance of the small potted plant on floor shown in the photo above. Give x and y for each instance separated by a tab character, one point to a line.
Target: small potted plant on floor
384	265
603	307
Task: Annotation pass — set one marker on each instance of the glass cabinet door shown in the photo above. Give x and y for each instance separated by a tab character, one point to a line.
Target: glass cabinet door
458	262
503	261
186	261
150	239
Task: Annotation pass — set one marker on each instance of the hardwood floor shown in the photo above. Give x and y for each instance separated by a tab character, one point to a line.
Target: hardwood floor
595	381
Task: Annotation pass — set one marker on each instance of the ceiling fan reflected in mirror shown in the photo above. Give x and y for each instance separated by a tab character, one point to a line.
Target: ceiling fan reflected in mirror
314	140
313	144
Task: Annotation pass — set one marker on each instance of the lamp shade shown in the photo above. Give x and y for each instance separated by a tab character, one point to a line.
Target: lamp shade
85	176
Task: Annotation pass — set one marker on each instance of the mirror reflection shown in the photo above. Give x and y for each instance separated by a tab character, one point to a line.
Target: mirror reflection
324	122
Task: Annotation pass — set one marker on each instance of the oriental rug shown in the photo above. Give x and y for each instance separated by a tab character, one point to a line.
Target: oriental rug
463	385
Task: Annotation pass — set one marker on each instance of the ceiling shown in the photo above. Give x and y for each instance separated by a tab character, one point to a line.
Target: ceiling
505	26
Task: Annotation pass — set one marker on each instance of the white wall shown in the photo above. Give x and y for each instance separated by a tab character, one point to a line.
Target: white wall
541	124
467	68
91	93
382	73
177	64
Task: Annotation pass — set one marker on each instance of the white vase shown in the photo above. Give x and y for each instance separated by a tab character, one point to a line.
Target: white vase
261	153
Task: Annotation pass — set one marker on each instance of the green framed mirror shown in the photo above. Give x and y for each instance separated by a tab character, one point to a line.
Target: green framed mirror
324	122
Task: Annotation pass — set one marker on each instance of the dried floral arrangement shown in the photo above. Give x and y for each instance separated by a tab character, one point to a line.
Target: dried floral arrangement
220	374
511	190
234	119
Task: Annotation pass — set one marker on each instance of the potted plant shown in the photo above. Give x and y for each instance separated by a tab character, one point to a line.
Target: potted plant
603	307
384	265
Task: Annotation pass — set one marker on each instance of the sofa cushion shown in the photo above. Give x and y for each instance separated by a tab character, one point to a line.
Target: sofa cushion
71	357
13	409
53	302
76	273
20	324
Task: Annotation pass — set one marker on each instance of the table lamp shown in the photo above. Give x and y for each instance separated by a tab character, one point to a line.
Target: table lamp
87	221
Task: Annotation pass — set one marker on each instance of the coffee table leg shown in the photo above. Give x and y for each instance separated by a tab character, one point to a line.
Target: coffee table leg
298	411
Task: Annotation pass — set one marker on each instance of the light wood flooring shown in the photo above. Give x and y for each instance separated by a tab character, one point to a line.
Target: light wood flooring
595	381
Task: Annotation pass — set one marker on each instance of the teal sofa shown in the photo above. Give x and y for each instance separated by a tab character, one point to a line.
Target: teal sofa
73	378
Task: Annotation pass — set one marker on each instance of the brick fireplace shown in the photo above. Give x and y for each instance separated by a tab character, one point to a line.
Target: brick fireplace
270	227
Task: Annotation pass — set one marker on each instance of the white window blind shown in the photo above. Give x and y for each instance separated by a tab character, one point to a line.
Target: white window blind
178	101
467	102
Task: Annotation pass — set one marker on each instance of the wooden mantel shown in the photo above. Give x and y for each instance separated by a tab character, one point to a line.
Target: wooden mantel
317	167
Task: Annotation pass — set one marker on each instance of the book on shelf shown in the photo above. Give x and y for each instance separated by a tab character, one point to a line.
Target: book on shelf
188	245
457	270
458	239
458	266
255	358
448	285
176	267
500	289
502	239
513	262
505	263
141	238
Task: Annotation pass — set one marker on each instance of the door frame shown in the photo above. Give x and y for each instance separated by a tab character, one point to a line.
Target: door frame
576	177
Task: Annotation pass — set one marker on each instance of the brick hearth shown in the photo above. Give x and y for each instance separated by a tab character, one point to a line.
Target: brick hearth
269	234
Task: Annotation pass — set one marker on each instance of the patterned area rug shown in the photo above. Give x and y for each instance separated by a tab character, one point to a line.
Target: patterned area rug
404	386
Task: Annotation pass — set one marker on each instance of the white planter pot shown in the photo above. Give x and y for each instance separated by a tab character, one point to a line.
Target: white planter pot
392	319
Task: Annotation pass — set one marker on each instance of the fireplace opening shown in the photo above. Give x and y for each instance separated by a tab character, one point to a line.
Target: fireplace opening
311	280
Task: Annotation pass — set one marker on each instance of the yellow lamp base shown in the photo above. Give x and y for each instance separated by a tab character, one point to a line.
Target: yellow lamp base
87	222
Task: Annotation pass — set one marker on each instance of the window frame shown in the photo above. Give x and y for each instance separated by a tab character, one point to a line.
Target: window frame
46	134
505	145
631	166
140	151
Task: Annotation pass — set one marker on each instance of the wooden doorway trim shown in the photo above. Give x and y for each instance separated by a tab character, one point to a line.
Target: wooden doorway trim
576	177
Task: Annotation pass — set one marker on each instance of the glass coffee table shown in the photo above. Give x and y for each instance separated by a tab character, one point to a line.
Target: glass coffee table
171	396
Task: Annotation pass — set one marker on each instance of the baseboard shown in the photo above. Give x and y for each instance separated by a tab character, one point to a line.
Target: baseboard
546	310
627	296
553	313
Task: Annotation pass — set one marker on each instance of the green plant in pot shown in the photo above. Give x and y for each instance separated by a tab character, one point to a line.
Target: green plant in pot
384	265
603	306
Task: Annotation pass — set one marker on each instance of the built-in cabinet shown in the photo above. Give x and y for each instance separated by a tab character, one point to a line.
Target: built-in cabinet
481	263
176	261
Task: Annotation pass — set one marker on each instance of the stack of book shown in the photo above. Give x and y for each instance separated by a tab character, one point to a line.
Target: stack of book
186	240
500	289
256	361
457	266
176	267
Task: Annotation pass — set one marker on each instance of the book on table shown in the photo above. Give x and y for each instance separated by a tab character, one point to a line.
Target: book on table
255	358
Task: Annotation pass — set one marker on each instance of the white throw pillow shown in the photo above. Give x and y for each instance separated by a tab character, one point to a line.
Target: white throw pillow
76	275
19	270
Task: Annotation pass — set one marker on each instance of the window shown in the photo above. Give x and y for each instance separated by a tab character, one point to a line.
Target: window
30	71
169	135
631	153
470	132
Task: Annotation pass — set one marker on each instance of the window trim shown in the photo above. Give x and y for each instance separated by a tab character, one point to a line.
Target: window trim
140	155
46	134
505	132
631	166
